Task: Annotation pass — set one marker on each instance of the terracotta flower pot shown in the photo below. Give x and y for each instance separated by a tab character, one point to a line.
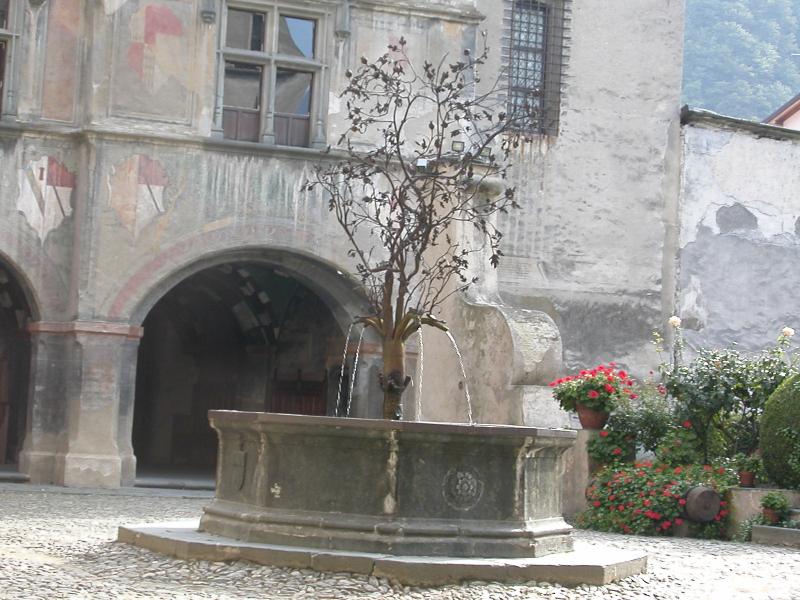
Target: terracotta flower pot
747	478
591	418
770	515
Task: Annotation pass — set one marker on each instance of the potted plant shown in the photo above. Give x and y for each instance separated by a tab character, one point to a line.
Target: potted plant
748	468
774	506
593	393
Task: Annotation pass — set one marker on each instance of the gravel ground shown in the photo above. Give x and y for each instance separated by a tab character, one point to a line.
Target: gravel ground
57	543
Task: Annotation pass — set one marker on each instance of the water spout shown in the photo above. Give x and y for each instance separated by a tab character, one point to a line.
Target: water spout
418	411
355	372
464	374
341	369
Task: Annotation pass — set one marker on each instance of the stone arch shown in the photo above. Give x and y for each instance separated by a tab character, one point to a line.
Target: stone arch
26	287
341	293
18	307
245	329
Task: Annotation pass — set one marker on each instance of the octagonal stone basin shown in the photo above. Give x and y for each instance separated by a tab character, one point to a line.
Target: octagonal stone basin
389	487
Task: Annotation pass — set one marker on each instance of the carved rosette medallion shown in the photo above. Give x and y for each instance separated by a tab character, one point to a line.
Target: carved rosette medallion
462	488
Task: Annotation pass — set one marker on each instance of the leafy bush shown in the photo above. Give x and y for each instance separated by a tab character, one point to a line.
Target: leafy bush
608	446
680	446
648	499
601	388
749	464
745	531
780	434
722	393
647	416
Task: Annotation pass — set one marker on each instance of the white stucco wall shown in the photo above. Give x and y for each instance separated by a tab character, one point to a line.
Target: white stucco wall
739	244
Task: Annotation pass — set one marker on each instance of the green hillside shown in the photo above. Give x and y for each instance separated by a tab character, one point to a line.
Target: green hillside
738	55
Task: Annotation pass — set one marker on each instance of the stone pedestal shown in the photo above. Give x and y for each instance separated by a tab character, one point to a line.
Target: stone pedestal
391	487
81	404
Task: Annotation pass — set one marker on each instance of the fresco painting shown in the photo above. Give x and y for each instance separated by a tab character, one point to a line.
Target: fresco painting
136	188
45	196
153	61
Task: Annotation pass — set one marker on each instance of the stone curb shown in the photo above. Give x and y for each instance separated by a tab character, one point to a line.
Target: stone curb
776	536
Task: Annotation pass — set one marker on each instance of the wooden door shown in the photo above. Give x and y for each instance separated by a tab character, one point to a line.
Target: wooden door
299	397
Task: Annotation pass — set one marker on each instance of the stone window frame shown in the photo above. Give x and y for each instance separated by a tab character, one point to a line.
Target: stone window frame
271	61
554	53
9	37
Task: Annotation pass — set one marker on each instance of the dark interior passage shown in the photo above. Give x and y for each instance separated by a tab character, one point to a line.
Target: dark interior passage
14	365
240	336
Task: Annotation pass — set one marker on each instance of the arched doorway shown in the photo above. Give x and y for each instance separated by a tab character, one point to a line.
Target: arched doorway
241	335
15	358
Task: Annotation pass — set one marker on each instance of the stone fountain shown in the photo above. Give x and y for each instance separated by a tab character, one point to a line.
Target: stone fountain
418	502
389	487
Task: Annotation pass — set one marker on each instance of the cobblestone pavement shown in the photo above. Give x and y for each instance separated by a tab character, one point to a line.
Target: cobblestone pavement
57	543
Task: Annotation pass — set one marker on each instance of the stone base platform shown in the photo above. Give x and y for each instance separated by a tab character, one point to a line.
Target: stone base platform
586	564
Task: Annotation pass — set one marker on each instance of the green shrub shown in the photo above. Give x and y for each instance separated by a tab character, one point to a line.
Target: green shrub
608	446
646	415
745	532
749	464
680	447
722	392
643	498
780	434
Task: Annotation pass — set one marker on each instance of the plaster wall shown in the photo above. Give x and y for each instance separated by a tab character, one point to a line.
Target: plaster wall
592	248
589	243
740	236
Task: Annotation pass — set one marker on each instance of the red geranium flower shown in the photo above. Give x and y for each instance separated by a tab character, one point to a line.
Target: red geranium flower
678	521
593	394
604	433
609	388
596	503
678	470
687	424
682	501
616	451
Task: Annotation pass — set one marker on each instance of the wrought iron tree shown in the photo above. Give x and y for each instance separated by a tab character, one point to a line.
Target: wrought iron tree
400	191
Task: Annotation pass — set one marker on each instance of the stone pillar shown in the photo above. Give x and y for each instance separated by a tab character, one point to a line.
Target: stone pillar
80	412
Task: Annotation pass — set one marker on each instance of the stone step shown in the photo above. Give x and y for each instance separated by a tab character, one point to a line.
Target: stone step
776	536
587	564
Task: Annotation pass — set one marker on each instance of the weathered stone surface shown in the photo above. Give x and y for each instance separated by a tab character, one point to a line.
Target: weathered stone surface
746	502
393	487
776	536
583	566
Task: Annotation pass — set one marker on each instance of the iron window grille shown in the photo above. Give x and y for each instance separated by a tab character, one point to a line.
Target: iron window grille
6	38
534	53
271	71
